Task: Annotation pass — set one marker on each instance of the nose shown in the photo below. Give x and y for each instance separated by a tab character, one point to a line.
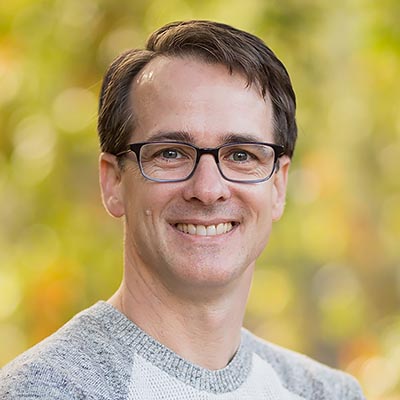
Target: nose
207	185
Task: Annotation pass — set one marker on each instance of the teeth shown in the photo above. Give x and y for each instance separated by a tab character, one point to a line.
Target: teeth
202	230
211	230
220	229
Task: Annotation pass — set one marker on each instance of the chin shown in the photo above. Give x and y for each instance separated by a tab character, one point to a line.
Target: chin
207	275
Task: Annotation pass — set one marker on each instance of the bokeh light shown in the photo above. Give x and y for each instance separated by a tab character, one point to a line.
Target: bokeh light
328	283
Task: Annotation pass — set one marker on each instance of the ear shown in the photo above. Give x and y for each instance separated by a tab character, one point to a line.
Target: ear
111	184
279	188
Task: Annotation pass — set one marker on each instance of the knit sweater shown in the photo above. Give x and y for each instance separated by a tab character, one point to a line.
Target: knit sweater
101	354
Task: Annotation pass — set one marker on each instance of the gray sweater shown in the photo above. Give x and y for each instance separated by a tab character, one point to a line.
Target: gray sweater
100	354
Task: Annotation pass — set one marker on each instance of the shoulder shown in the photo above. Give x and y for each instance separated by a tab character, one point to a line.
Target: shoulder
36	379
58	367
303	375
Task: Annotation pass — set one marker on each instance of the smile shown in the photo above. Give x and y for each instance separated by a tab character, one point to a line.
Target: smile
202	230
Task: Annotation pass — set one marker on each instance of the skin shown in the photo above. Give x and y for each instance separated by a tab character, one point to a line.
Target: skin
176	282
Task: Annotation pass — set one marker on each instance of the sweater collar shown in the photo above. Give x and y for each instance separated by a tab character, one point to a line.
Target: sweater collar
136	342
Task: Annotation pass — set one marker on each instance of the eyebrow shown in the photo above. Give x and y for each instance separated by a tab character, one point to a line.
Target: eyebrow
240	138
179	136
183	136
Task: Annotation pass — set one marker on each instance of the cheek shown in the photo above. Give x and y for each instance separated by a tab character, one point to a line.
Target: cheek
260	202
146	201
260	205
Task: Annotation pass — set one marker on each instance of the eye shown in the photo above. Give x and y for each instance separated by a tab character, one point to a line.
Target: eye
239	156
171	153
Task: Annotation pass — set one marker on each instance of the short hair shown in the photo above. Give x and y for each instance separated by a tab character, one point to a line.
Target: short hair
210	42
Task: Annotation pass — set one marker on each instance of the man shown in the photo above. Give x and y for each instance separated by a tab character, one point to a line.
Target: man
197	132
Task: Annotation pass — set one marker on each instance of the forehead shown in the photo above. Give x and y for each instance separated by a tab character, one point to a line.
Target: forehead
184	94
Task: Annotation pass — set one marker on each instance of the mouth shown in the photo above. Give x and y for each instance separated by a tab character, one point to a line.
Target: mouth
206	230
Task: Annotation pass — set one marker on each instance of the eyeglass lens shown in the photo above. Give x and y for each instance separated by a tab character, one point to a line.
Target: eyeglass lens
238	162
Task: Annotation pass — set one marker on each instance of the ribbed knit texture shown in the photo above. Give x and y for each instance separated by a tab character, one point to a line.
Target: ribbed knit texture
100	354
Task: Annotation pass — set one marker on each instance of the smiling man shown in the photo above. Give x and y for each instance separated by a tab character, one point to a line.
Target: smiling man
197	132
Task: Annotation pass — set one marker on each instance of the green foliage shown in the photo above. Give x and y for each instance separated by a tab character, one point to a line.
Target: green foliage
329	282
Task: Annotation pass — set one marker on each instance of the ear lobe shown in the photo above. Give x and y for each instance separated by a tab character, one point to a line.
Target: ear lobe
111	185
279	188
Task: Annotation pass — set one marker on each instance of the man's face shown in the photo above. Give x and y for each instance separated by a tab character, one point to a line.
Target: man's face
203	103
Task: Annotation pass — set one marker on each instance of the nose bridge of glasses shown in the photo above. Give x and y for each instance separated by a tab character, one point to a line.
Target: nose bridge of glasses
211	151
206	151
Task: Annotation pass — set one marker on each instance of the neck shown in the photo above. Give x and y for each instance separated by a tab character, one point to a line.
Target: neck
202	329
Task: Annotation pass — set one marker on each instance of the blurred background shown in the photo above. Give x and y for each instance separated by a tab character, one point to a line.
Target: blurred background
328	284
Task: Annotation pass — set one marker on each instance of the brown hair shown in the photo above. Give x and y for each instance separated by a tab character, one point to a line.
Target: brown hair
210	42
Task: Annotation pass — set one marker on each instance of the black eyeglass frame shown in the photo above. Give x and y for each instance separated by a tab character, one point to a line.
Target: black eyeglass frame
279	151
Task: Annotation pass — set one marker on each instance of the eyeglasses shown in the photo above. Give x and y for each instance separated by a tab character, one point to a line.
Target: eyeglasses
170	161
